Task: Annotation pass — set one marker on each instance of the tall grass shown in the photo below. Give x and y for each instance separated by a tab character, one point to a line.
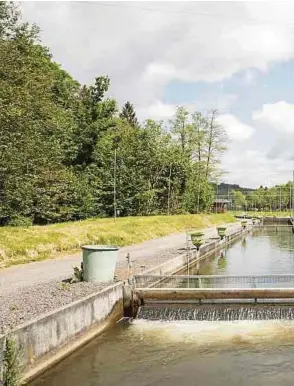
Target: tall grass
22	245
268	213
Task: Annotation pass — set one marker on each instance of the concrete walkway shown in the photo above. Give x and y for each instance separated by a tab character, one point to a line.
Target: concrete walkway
20	276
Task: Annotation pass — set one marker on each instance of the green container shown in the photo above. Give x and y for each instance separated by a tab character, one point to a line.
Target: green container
197	239
221	231
99	262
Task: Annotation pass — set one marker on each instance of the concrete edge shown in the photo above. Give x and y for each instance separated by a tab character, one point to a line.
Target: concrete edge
59	309
181	259
212	293
44	341
61	353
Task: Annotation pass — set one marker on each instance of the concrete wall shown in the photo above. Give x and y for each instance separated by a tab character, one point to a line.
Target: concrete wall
188	294
179	263
46	340
277	220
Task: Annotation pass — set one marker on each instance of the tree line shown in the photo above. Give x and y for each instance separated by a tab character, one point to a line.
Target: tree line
68	152
279	197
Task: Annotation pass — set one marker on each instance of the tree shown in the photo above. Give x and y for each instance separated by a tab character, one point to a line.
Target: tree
201	140
238	198
37	125
215	141
128	113
58	138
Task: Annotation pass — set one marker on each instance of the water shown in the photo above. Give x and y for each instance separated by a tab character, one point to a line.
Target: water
211	348
182	353
265	251
217	312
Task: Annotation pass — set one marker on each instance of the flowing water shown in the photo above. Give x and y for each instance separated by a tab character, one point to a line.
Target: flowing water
181	345
217	312
149	353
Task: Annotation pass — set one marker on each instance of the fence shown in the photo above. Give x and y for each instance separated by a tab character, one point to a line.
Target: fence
213	281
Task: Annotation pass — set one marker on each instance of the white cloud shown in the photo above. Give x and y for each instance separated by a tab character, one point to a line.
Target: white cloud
158	110
236	130
142	50
252	168
279	116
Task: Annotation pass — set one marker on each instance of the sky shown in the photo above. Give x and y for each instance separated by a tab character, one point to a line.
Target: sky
237	57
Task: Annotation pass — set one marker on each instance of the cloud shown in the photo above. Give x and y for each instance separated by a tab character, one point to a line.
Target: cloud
205	102
249	77
279	116
236	130
158	110
143	46
252	168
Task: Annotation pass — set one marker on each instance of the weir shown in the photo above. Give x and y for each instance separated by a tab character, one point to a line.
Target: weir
214	297
216	313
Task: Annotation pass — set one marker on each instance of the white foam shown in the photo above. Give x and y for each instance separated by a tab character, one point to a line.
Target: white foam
216	333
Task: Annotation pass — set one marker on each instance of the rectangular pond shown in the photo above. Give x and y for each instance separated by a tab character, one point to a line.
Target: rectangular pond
268	250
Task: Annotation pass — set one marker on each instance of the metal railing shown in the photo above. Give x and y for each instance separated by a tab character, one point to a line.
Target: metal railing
214	281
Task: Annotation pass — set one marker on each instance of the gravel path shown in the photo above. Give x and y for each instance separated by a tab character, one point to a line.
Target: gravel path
24	301
17	308
46	271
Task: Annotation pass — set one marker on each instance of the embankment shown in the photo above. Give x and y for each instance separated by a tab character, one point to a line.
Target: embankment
22	245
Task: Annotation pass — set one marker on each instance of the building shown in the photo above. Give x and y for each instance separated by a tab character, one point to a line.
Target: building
220	205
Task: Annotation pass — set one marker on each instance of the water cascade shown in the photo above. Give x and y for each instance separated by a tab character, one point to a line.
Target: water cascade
217	312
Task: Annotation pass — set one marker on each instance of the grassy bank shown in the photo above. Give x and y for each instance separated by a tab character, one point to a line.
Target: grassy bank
285	213
22	245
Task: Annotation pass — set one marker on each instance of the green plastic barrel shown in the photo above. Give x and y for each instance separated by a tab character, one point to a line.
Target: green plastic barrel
99	262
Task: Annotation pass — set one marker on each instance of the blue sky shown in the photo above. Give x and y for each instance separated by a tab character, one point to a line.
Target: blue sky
274	85
237	57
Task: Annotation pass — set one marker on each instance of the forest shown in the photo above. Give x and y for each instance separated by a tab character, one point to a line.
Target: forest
69	152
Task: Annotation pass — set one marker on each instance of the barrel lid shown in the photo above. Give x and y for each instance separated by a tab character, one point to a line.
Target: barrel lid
100	247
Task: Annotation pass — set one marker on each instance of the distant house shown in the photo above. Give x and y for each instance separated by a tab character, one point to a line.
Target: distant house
220	205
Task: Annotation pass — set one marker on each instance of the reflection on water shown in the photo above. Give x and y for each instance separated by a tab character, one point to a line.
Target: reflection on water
266	251
188	353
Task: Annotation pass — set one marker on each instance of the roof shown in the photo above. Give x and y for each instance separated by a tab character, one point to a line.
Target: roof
221	201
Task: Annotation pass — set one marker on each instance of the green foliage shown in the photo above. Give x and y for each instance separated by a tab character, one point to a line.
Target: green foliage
58	140
11	366
20	221
238	199
128	113
276	198
78	275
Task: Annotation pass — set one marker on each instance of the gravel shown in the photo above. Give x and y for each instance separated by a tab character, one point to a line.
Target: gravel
22	305
19	307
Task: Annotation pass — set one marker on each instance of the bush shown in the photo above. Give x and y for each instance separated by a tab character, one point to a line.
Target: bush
20	221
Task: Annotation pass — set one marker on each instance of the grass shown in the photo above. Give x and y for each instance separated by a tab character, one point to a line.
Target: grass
285	213
22	245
